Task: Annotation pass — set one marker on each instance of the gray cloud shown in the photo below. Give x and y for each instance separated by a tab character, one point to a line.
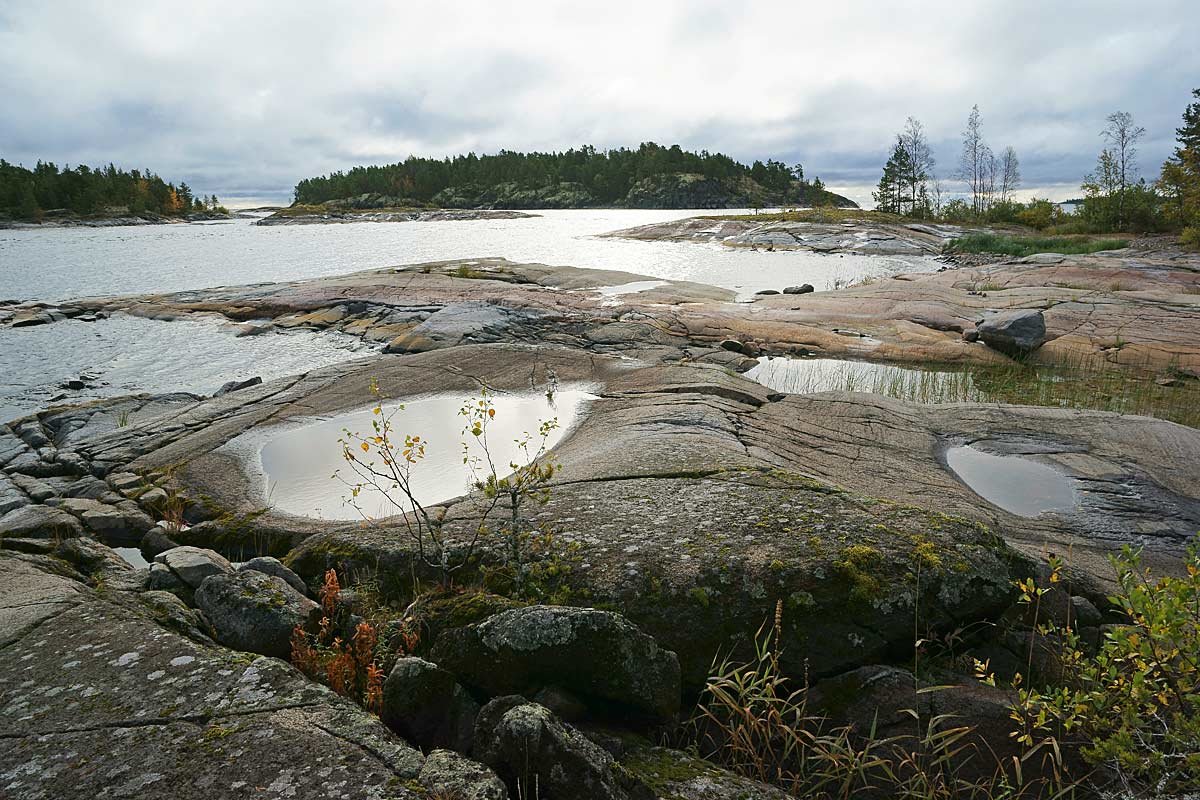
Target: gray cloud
245	98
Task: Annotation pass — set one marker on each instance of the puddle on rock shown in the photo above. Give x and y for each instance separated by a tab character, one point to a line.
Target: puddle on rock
812	375
297	462
1019	485
132	556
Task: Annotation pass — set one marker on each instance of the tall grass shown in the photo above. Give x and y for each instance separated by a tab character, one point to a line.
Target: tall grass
751	720
1080	386
1028	245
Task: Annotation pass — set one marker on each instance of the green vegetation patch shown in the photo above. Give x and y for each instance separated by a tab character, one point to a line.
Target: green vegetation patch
1021	246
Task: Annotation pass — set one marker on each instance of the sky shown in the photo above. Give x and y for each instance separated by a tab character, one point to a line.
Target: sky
243	99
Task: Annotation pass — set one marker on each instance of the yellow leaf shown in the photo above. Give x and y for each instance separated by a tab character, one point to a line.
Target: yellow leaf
365	447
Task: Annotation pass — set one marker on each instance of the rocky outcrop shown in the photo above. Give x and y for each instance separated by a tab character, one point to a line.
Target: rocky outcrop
324	215
446	773
598	655
255	612
123	703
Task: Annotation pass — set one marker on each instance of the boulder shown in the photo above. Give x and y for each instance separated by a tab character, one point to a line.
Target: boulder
1015	333
193	564
448	774
803	288
156	541
39	522
766	292
424	704
162	579
733	346
255	612
529	746
11	496
273	566
598	655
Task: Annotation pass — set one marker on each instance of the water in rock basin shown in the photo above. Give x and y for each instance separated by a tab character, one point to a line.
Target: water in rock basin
1019	485
297	462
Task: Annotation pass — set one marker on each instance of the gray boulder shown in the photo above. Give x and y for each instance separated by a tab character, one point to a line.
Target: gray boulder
41	522
255	612
803	288
599	656
529	746
193	564
273	566
446	773
424	704
156	541
1015	333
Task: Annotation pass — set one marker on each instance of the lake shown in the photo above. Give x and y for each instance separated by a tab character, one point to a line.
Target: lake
124	355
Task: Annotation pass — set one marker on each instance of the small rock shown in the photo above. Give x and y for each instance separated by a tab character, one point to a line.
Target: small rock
446	773
970	335
254	612
156	541
767	292
193	564
424	703
803	288
155	498
161	578
273	566
733	346
234	386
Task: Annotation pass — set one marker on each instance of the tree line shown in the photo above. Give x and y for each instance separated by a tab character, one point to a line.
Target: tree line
30	194
1115	196
607	175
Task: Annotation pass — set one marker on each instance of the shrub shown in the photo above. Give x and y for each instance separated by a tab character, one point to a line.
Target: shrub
1134	707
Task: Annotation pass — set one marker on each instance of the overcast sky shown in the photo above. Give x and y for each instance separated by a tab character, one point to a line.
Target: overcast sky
245	98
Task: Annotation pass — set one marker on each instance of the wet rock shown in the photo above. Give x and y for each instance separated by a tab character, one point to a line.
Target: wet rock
1015	333
38	521
529	746
255	612
193	564
446	773
233	386
803	288
599	655
426	705
273	566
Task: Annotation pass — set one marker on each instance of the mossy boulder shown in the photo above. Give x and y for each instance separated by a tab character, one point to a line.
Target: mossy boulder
598	655
440	610
425	704
255	612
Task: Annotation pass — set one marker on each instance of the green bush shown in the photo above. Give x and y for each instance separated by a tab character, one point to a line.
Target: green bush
1133	708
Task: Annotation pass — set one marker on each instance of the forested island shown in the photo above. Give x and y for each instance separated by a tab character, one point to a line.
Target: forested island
652	176
83	195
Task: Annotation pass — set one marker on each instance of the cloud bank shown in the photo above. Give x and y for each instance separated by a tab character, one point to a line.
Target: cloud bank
243	99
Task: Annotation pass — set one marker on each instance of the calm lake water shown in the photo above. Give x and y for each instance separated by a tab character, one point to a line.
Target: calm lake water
123	355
